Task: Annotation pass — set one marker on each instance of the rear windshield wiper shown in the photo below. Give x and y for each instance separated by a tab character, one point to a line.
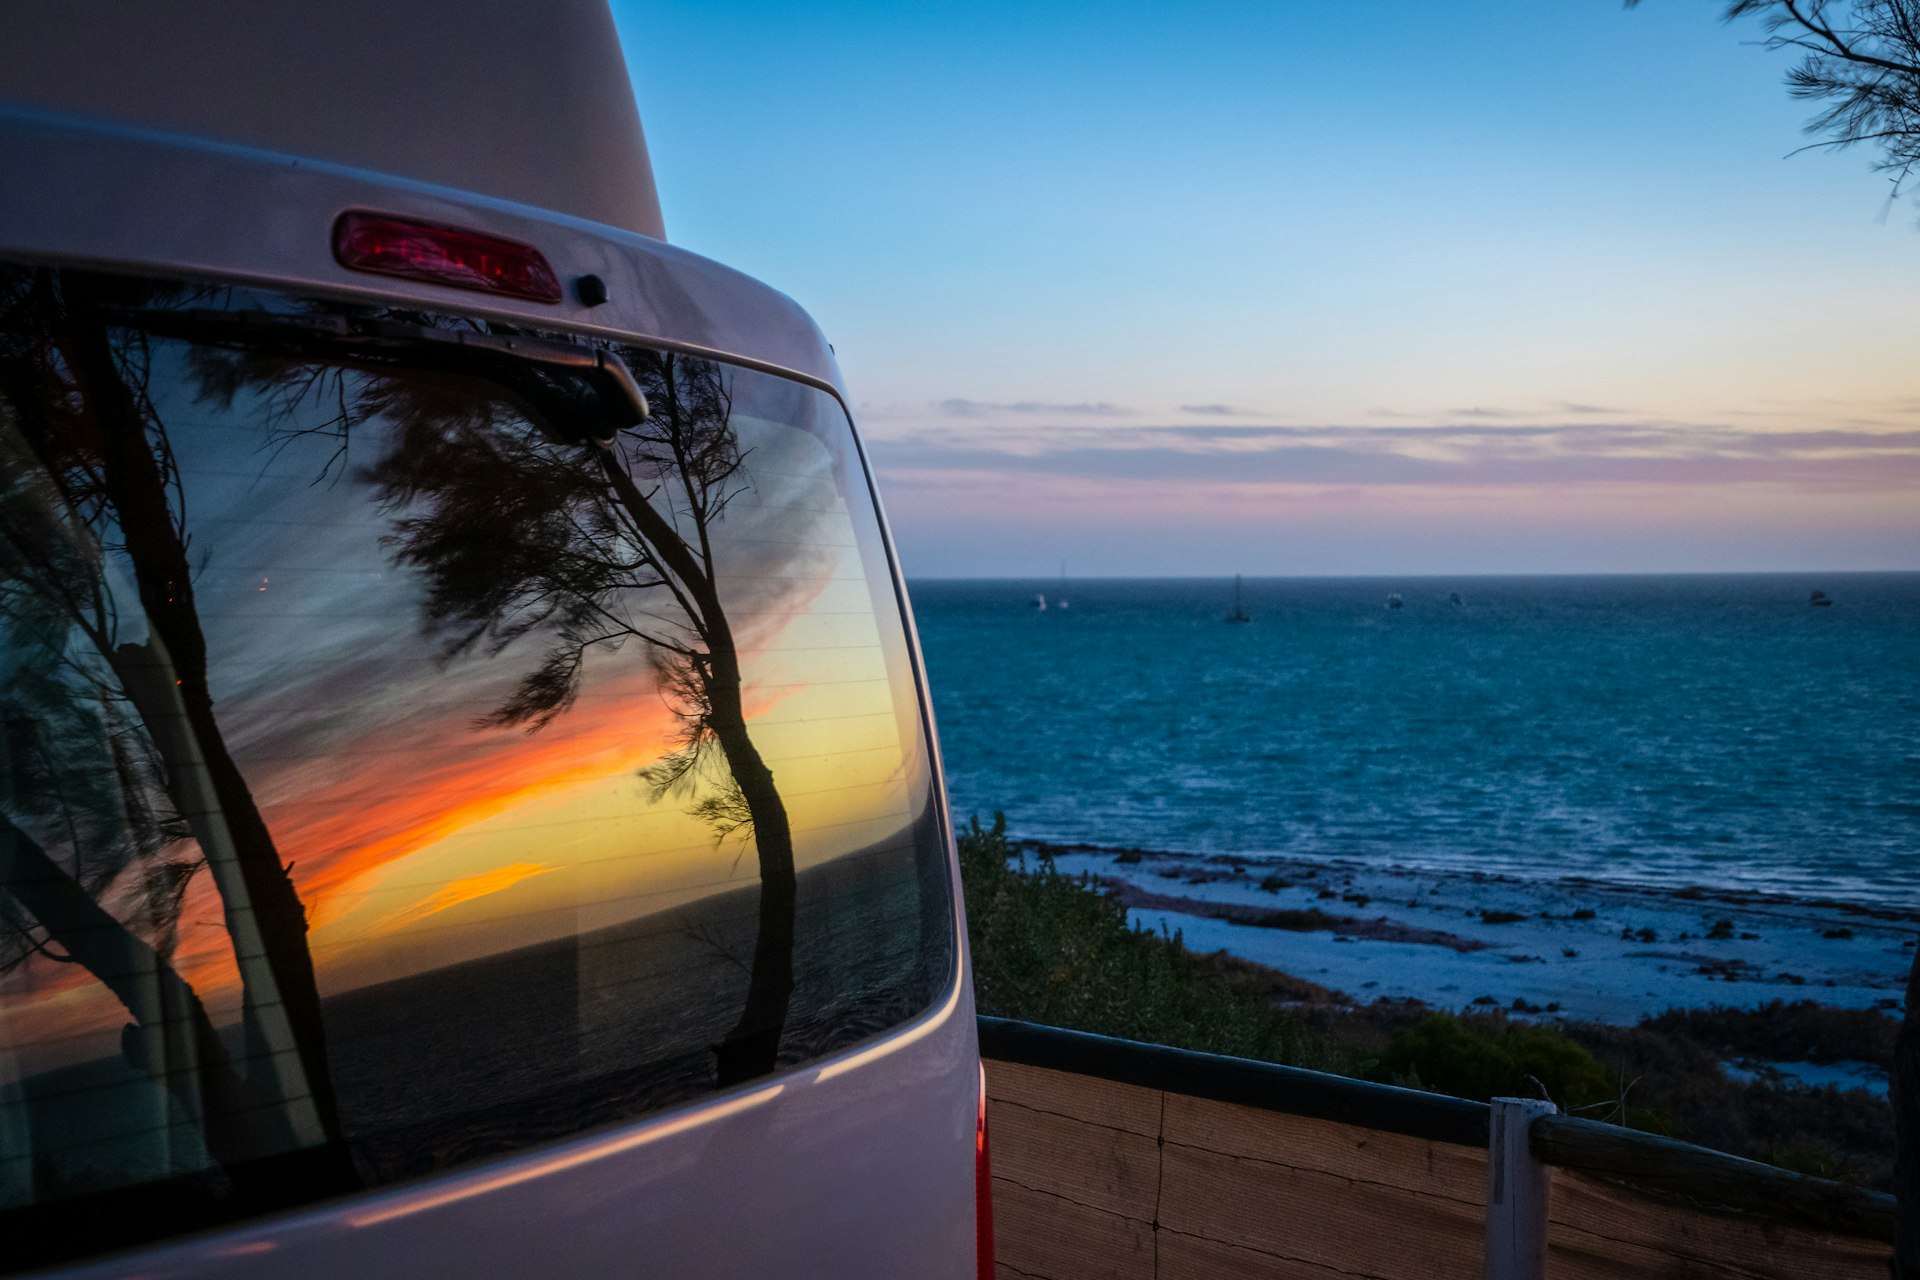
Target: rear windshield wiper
616	400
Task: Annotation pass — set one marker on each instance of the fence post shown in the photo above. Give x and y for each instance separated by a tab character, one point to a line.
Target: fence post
1517	1187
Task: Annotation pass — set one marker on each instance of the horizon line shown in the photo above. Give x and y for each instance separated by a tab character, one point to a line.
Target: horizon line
1294	577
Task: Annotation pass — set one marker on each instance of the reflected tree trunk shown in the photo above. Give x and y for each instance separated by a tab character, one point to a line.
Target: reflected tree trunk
752	1047
171	1032
168	683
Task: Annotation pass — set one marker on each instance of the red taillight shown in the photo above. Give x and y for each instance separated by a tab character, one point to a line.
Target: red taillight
443	255
982	1189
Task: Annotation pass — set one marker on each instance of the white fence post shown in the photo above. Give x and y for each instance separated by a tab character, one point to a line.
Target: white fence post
1517	1188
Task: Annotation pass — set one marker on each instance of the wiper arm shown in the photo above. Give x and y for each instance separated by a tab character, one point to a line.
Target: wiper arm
618	397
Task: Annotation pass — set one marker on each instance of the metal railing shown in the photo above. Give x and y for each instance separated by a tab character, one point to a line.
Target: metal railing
1524	1139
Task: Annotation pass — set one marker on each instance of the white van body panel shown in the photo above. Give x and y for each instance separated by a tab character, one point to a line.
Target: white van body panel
121	196
520	101
859	1165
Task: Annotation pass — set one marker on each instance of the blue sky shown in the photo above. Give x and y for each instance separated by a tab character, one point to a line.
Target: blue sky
1382	287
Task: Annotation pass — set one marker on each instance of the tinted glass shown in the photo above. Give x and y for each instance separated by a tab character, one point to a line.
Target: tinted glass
409	754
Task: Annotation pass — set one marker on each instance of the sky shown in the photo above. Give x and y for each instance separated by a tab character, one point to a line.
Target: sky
1383	287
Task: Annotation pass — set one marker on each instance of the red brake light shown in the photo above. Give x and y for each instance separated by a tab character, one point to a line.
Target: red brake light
982	1189
443	255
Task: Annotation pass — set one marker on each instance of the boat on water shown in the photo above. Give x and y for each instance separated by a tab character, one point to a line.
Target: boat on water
1395	602
1453	598
1040	602
1239	613
1820	600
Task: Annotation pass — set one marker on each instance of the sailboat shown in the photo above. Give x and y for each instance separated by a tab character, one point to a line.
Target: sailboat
1239	614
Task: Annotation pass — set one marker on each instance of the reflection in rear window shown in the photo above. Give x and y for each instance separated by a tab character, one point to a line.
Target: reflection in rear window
409	754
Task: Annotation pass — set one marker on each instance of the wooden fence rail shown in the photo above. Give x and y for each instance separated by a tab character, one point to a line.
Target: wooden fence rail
1706	1178
1117	1159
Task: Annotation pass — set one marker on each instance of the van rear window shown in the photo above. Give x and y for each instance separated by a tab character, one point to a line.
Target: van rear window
411	753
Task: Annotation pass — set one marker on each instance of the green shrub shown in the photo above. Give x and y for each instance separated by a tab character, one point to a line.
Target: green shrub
1484	1058
1800	1031
1672	1067
1051	948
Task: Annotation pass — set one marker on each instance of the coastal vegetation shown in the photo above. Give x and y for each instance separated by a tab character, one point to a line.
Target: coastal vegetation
1051	949
1054	948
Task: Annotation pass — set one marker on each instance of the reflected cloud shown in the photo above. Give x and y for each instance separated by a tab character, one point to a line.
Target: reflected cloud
466	890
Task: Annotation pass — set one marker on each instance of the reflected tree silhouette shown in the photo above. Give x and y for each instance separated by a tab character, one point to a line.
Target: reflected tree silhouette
525	529
593	547
76	384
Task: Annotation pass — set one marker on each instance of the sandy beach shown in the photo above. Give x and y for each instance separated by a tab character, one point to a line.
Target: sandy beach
1570	948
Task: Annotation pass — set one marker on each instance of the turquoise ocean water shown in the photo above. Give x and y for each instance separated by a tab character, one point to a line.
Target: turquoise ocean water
1712	730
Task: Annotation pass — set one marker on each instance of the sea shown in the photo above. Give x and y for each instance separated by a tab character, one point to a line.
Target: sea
1719	731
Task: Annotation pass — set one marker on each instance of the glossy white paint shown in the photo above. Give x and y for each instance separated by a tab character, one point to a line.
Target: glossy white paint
860	1173
79	190
526	102
857	1166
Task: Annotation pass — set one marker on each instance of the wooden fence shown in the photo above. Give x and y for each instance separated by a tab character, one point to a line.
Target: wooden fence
1115	1159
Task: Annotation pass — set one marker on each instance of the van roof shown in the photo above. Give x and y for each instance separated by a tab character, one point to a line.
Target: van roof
528	103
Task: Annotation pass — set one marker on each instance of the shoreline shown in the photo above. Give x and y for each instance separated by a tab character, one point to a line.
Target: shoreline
1867	907
1466	941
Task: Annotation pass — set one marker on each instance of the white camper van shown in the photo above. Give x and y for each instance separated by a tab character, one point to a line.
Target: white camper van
468	805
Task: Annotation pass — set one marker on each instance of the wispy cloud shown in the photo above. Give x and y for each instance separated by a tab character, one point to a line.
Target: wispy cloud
959	408
1219	411
1531	454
